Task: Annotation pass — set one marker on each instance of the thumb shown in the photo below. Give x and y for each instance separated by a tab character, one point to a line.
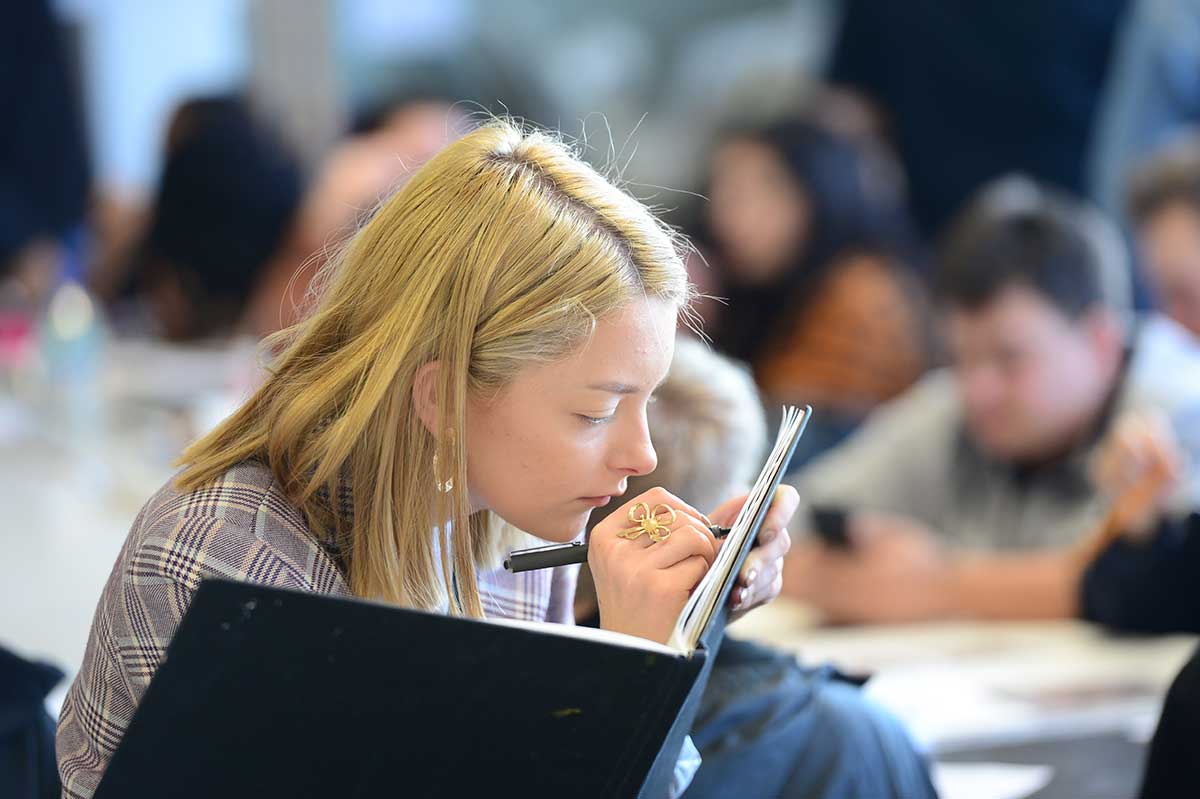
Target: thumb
727	511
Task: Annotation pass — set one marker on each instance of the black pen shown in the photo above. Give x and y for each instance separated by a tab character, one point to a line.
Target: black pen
547	557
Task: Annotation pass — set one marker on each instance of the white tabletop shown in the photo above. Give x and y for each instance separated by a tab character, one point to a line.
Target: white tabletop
77	462
970	684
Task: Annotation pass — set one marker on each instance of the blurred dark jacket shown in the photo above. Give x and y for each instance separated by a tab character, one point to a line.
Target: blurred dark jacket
1151	587
28	769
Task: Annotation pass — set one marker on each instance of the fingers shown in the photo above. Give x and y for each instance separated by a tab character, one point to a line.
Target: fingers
778	546
783	508
689	571
660	496
683	520
727	511
765	586
687	540
1141	447
680	514
1137	468
761	578
761	573
768	553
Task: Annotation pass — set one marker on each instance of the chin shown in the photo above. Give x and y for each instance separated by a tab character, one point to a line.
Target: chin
995	441
1010	449
559	531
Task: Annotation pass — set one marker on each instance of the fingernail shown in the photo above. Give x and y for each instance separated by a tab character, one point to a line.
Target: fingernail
742	594
751	576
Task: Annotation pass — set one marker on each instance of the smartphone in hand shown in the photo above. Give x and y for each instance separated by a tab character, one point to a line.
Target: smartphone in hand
830	525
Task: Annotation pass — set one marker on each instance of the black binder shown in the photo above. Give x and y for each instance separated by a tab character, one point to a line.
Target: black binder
266	692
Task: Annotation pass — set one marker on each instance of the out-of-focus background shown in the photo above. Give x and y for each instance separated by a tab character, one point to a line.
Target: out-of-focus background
173	174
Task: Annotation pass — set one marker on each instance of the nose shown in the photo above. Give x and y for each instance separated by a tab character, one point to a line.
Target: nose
635	455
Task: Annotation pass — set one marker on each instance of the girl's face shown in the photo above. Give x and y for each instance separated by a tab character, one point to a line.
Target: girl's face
563	437
759	213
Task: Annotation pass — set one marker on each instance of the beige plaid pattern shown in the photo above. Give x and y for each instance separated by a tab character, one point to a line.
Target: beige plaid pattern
240	528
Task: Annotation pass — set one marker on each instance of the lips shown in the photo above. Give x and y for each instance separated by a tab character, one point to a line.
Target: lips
603	499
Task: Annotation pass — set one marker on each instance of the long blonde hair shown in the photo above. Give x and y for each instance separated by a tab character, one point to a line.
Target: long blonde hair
501	251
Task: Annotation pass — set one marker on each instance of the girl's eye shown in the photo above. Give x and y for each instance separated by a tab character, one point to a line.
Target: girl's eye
595	419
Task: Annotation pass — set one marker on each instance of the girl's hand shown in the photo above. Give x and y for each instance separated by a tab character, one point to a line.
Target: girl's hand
761	578
642	586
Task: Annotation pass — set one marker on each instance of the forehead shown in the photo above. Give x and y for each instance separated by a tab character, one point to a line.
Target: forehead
632	347
1173	230
1017	312
633	344
734	155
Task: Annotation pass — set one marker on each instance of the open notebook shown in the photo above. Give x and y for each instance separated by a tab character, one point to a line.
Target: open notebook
267	692
713	590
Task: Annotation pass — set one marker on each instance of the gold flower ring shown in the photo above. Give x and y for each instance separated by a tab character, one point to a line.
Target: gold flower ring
656	523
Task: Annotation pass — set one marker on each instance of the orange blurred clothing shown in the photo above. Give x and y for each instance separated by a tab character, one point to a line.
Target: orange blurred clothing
860	341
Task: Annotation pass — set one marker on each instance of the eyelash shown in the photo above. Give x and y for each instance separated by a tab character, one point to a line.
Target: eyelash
596	420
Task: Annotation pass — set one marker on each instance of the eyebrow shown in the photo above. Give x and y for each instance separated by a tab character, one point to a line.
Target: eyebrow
622	388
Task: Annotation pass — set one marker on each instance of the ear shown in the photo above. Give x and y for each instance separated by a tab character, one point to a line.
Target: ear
425	395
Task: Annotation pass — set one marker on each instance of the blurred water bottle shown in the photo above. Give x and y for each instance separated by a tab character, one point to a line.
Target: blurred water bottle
72	338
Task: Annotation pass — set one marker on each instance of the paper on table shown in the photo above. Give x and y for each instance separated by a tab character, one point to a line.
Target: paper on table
968	685
989	780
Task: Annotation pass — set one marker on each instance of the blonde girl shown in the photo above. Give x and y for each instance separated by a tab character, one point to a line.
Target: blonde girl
479	360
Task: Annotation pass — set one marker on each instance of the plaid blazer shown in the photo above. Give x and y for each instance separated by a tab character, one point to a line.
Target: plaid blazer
240	528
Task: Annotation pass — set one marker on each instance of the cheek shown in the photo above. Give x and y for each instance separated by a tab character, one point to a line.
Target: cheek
523	470
1033	387
1184	303
778	229
503	454
1049	390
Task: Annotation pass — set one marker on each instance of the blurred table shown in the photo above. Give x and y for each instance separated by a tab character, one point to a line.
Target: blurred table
77	462
1063	694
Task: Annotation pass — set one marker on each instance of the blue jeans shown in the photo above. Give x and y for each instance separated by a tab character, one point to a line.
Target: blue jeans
769	728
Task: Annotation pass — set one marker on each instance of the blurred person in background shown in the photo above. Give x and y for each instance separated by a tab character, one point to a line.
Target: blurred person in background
1152	92
811	255
223	218
766	726
388	143
28	769
44	188
44	171
287	230
1164	205
977	90
958	496
1145	578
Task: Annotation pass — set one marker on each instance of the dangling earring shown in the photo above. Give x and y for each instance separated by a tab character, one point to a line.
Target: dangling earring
445	487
